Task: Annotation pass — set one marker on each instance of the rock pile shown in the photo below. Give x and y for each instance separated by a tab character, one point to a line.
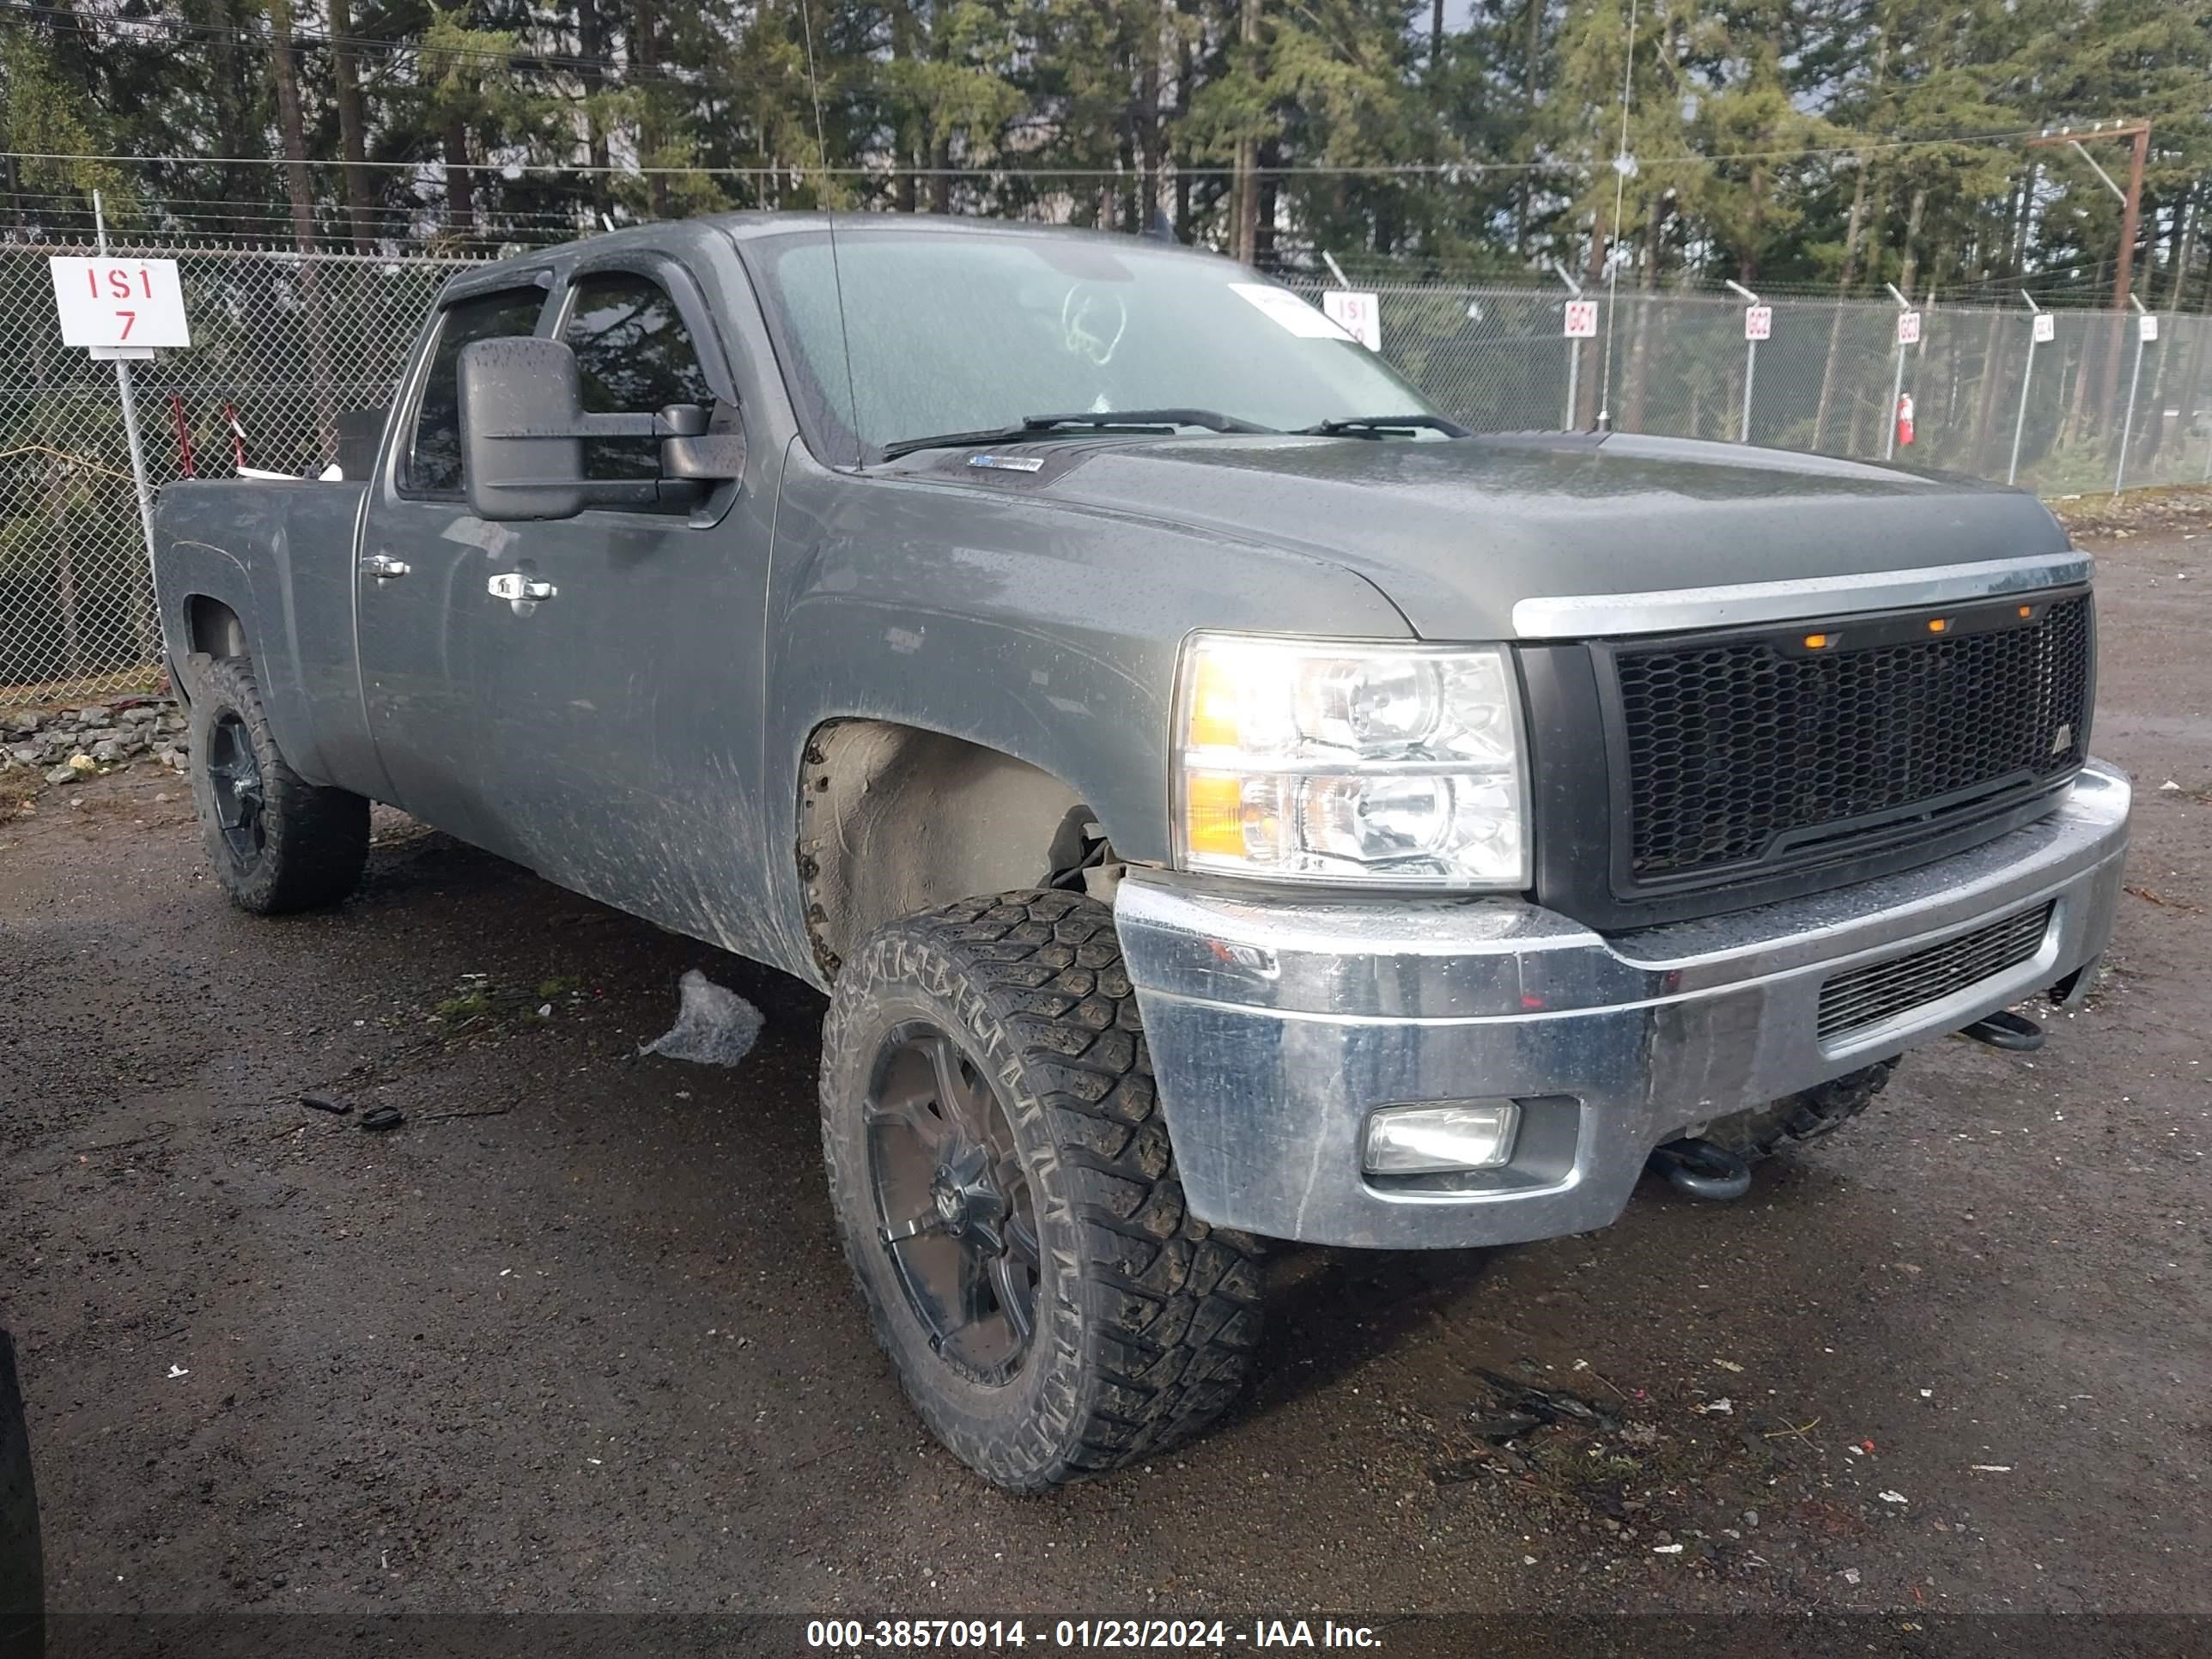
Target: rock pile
68	744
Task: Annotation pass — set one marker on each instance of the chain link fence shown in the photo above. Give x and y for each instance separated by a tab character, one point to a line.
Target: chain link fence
1828	378
282	342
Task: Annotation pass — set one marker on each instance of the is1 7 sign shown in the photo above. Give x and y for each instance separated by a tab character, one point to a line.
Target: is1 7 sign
118	306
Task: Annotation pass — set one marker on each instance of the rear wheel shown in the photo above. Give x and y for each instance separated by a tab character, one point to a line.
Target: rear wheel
1008	1200
277	843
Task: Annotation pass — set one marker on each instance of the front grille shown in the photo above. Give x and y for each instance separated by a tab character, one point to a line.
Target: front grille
1739	750
1867	996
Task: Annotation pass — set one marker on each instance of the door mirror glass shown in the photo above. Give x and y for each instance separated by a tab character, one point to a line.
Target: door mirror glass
522	421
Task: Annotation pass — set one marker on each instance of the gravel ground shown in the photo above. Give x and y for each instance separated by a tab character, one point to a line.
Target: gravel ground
578	1336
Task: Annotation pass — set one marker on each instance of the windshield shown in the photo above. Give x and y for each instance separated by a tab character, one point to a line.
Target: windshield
958	332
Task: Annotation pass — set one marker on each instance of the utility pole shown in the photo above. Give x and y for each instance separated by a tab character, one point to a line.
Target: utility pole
2130	200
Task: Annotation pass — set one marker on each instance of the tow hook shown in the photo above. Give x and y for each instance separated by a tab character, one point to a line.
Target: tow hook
2011	1031
1702	1168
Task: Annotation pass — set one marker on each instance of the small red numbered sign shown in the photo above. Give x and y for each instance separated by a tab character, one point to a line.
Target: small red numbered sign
2046	328
118	303
1908	328
1359	315
2147	326
1759	322
1581	319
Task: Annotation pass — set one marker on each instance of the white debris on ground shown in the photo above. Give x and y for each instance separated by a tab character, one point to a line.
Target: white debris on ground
714	1026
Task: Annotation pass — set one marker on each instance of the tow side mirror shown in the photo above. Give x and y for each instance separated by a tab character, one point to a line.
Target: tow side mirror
524	426
522	420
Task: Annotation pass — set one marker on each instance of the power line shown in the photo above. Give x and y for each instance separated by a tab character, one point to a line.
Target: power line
1450	171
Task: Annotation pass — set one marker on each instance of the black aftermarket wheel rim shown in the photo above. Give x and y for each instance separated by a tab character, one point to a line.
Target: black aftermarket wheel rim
234	775
954	1211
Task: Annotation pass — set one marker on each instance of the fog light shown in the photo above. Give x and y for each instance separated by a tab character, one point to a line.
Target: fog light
1459	1134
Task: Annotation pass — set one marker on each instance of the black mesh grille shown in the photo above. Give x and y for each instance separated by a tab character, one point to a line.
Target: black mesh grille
1738	751
1866	996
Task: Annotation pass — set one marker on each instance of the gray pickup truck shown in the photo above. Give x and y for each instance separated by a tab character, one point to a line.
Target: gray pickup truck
1224	799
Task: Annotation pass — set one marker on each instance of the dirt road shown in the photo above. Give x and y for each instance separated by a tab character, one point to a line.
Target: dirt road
577	1336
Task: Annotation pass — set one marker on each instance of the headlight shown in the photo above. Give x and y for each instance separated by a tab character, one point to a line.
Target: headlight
1351	763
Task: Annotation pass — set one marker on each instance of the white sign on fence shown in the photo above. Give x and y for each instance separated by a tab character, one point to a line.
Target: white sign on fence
1908	328
119	307
1581	319
2046	328
2147	326
1359	315
1759	322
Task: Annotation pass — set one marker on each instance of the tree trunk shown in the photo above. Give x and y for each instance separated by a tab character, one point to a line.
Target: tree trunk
1245	231
1913	214
460	185
2150	429
291	126
907	146
1631	399
1532	51
1587	409
2027	237
1263	231
1186	78
239	133
1148	116
2187	220
645	58
1844	278
592	48
353	127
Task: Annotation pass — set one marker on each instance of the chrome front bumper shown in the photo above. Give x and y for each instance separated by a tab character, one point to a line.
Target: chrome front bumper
1277	1028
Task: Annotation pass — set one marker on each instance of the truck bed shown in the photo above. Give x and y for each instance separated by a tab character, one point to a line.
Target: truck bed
279	555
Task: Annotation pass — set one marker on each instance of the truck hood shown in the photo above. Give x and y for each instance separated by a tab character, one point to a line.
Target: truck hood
1455	534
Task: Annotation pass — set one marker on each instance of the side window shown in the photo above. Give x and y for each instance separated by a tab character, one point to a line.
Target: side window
434	458
633	356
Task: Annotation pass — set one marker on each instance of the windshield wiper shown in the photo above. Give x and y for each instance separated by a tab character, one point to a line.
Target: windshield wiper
1211	419
1159	421
1373	426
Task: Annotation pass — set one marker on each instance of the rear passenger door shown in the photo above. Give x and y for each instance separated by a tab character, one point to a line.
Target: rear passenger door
620	712
420	598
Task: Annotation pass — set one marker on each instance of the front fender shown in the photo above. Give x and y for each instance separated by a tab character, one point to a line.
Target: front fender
1043	631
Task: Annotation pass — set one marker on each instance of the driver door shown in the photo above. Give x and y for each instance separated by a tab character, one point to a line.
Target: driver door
620	712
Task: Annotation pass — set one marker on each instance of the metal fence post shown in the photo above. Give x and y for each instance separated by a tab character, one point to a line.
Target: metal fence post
127	396
2128	419
1896	386
2026	374
1750	366
1574	353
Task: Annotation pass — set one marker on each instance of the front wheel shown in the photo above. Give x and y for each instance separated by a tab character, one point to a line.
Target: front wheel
1007	1197
277	843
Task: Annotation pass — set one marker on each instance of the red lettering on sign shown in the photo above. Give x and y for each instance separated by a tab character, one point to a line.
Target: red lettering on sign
129	318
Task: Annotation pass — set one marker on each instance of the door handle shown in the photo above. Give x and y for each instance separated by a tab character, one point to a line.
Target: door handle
513	584
384	567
